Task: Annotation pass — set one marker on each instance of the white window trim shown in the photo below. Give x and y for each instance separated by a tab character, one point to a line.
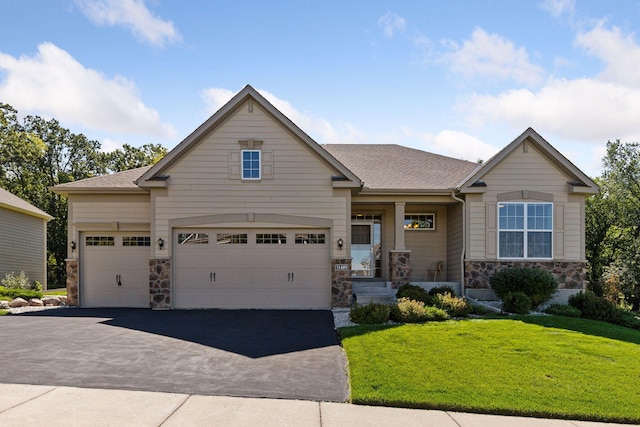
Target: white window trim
524	231
242	165
433	228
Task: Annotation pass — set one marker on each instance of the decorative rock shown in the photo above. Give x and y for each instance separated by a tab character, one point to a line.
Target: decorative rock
51	300
36	302
18	302
4	305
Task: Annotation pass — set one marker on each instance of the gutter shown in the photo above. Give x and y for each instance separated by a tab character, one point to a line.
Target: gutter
464	241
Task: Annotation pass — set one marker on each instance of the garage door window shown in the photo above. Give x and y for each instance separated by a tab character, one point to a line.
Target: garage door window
310	239
232	239
136	241
193	239
271	239
99	241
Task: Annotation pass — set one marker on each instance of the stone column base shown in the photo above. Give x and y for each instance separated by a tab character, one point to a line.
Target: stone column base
340	282
72	282
160	283
399	268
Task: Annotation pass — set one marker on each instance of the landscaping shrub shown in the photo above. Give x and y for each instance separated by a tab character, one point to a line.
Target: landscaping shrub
11	281
412	311
370	314
538	284
453	305
516	302
563	310
441	290
27	294
414	292
594	307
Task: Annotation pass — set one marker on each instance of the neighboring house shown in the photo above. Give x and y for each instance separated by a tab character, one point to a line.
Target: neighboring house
249	212
23	238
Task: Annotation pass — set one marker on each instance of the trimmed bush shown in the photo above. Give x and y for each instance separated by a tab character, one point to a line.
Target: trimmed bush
415	293
412	311
9	294
441	290
435	314
516	302
370	314
538	284
453	305
563	310
596	308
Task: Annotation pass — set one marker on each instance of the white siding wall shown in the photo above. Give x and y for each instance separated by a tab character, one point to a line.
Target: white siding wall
526	170
200	182
22	245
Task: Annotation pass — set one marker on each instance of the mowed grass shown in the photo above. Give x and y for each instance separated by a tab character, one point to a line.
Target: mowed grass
540	366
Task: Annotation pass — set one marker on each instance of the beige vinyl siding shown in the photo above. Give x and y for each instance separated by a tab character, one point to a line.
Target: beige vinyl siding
22	245
200	185
428	247
454	242
526	170
477	227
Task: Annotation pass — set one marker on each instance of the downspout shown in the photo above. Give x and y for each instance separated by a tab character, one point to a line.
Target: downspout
464	241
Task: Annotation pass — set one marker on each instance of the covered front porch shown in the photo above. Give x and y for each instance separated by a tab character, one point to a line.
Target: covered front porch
417	240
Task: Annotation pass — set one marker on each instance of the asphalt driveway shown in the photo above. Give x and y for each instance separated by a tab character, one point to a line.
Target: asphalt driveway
251	353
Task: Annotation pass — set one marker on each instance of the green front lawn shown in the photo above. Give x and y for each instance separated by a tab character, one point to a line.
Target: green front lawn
540	366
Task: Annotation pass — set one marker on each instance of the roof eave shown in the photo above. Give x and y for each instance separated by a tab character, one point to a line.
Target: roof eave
404	191
65	191
42	215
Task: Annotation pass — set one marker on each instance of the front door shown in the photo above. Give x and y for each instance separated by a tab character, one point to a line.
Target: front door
363	263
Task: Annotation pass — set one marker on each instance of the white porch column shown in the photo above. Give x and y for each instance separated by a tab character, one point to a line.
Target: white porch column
399	227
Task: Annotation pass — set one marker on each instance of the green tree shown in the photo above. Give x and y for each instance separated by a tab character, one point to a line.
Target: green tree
39	154
613	223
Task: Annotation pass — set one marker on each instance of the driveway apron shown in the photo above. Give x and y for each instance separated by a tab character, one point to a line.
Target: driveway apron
251	353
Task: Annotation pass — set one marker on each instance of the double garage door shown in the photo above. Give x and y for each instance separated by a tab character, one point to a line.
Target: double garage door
273	268
212	268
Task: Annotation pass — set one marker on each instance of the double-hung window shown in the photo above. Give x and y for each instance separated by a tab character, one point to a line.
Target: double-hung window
251	164
525	230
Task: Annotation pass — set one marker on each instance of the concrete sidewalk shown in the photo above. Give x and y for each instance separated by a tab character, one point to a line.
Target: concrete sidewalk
34	405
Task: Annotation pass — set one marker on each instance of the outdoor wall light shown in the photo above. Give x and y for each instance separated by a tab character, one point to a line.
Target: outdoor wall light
340	243
73	245
161	243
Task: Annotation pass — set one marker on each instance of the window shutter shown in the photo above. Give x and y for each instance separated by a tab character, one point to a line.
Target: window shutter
267	164
558	231
234	165
491	224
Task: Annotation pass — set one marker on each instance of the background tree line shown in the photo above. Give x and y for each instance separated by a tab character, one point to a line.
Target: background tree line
36	154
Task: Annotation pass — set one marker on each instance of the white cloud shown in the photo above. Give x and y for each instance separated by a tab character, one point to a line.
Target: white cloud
620	53
595	109
390	23
132	14
491	56
53	83
108	145
557	8
322	130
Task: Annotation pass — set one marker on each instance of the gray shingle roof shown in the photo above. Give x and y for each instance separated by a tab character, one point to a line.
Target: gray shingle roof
379	166
14	202
116	181
394	167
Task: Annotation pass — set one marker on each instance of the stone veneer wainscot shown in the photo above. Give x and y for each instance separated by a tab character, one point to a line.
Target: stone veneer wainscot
72	282
340	282
570	275
400	268
160	283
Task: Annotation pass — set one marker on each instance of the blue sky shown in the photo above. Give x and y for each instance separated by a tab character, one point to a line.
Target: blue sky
459	78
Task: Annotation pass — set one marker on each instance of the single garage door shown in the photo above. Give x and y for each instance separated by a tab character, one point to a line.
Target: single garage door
270	269
114	270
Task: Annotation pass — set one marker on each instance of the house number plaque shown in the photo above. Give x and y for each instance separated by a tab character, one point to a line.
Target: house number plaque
342	267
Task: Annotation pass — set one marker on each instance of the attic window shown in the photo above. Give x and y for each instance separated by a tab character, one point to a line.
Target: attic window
251	169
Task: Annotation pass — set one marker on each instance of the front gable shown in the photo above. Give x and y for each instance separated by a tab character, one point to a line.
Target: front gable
245	122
